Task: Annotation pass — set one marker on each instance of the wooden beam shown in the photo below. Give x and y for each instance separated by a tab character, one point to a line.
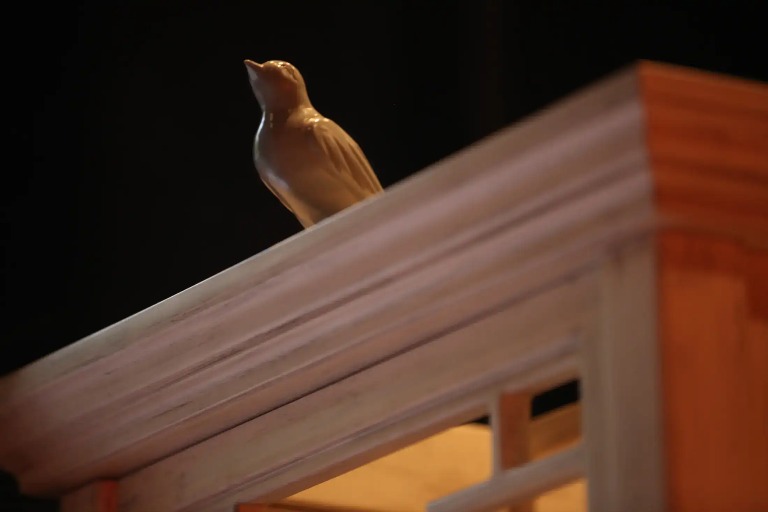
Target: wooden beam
272	457
539	231
544	198
510	420
621	395
516	485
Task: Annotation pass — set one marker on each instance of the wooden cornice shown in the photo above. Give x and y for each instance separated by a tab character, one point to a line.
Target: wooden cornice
340	320
706	137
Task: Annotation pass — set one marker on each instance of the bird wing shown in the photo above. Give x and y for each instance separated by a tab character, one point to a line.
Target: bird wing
347	158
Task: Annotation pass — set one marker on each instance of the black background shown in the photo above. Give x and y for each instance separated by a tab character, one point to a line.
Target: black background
127	172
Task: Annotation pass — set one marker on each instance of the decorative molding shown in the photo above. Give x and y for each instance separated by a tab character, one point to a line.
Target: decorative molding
507	268
535	204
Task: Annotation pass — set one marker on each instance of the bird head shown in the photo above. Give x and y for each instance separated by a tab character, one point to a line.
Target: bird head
277	85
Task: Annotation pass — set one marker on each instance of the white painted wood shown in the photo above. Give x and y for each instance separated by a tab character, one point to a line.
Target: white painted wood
516	485
532	206
621	389
521	344
507	268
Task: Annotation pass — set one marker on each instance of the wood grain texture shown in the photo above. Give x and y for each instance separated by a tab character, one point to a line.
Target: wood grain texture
518	346
510	420
714	325
621	388
536	202
509	257
706	137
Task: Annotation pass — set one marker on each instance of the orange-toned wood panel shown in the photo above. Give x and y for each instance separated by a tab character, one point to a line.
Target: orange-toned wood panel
251	507
707	137
99	496
511	420
714	349
286	508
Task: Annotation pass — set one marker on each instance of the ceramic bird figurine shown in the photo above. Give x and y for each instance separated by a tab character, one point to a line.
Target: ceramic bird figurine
305	159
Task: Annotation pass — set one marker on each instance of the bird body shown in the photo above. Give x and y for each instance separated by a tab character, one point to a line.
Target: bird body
309	162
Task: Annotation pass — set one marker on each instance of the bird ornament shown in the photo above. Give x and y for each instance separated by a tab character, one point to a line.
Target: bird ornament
305	159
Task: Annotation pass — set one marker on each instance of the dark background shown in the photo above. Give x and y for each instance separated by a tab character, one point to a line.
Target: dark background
128	177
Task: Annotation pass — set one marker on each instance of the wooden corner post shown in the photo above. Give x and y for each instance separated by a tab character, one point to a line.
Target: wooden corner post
510	419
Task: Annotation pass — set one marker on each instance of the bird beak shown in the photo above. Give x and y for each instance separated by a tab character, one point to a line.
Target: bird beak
253	68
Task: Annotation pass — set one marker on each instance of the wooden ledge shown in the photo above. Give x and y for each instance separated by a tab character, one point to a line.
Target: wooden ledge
514	224
534	203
